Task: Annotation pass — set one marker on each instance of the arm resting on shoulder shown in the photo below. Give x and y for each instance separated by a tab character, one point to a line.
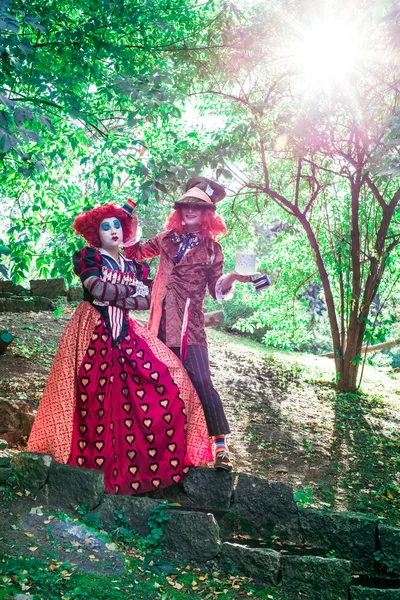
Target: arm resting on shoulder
141	251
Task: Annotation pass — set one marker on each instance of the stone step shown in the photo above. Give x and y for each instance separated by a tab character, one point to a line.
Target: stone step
315	578
25	304
50	288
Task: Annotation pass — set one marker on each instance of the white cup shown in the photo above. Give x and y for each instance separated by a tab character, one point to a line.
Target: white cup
245	263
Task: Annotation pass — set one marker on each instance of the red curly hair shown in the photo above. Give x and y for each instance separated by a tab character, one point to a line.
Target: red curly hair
87	224
212	225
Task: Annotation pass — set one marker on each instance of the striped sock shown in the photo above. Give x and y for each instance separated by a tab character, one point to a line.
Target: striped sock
220	443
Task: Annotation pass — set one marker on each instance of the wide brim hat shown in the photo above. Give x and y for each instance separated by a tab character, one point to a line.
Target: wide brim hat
202	192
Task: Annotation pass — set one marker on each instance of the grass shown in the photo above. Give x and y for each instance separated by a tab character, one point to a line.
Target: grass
52	580
343	449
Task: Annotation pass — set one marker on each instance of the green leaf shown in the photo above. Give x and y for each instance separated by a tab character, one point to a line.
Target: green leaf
6	143
357	359
22	113
33	135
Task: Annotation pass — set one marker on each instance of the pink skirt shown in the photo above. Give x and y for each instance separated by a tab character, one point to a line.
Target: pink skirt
129	410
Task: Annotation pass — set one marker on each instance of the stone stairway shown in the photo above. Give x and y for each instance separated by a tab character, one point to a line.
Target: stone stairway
245	524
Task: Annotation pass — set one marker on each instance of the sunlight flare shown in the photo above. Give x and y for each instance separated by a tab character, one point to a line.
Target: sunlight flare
328	52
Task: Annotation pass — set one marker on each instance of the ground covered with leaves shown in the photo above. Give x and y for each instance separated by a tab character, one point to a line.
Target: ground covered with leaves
288	422
77	565
52	580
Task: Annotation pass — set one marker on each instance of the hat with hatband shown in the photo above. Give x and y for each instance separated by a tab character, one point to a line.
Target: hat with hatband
202	192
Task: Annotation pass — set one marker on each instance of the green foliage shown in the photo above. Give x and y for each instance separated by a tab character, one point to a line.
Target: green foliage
82	509
68	47
4	251
123	534
156	520
294	154
304	497
78	127
279	317
9	489
92	520
53	580
58	311
100	102
48	583
154	541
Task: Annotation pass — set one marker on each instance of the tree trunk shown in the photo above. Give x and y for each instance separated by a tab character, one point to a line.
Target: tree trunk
348	379
347	376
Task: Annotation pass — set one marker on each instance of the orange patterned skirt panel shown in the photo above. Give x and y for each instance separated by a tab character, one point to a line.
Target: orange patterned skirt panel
52	430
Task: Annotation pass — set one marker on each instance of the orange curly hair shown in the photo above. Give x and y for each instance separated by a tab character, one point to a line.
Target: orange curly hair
87	223
212	225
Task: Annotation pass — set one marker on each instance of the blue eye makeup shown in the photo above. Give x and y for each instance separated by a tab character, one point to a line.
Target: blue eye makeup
107	226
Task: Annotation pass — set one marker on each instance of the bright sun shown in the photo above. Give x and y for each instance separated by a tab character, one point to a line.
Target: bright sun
327	53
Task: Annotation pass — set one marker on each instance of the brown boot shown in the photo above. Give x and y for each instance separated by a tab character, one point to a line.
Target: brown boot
222	461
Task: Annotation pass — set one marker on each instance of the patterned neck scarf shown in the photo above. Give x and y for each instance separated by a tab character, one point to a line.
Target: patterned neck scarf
186	242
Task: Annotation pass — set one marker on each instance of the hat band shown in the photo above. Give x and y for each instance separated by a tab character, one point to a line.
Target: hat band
197	193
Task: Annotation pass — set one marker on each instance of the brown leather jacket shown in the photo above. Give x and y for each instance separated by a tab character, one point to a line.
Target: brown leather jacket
200	268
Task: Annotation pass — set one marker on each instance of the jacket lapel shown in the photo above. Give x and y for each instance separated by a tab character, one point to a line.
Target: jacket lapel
199	254
168	246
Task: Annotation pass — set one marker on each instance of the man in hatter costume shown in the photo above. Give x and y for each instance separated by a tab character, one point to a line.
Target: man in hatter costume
191	261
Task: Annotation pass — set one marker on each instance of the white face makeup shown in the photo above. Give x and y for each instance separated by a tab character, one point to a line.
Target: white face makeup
191	216
110	234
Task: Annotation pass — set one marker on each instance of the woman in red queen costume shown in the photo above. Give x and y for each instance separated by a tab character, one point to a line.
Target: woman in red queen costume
117	400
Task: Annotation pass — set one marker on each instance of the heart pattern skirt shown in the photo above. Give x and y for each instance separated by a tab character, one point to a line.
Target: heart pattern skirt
130	419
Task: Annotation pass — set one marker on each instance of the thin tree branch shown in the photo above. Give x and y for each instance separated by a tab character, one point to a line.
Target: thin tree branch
375	191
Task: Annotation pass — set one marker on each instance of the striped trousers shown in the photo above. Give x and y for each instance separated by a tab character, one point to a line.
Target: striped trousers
198	369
